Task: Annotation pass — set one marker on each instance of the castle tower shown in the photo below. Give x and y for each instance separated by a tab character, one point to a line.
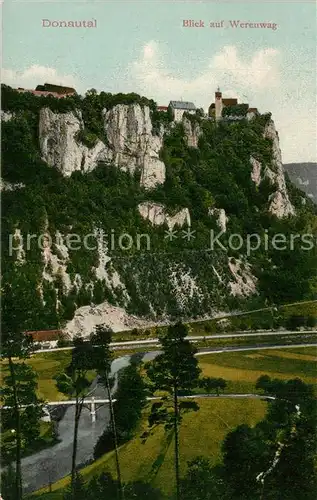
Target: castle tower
218	104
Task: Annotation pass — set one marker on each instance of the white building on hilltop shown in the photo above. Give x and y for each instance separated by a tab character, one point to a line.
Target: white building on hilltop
179	108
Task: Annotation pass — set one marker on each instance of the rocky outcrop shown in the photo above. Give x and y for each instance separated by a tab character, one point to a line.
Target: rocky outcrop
55	264
156	214
9	186
221	217
192	132
87	317
59	145
6	115
256	171
280	204
130	142
243	283
184	286
17	247
132	145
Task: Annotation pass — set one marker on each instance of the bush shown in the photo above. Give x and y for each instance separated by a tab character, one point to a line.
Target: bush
89	139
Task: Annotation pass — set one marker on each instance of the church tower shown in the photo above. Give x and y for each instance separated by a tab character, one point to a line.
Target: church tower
218	104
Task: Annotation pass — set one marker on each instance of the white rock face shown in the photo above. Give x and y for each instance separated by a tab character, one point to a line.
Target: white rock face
222	219
6	115
103	258
244	283
217	274
156	214
185	286
130	142
132	145
192	132
9	186
87	317
56	265
256	171
280	204
104	272
18	247
58	144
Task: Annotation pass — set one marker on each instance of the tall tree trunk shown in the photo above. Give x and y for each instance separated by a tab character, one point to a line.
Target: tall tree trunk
78	408
18	468
176	443
115	439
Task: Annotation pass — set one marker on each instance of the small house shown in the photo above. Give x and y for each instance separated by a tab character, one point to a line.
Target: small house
180	107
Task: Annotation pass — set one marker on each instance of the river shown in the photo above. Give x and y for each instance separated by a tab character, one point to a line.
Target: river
51	464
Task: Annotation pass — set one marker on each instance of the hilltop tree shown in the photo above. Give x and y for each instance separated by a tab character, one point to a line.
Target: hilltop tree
74	383
174	370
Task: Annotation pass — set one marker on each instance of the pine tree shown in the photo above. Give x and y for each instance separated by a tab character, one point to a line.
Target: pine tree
174	370
103	357
74	382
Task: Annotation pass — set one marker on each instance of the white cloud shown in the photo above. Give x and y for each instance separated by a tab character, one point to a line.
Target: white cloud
258	80
36	75
236	75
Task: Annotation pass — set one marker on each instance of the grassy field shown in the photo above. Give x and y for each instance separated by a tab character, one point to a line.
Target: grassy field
242	369
202	432
47	365
247	340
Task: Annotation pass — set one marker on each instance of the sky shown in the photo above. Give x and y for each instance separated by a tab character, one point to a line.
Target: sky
142	46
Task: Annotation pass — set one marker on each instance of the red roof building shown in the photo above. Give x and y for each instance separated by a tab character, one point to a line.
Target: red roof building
46	335
229	102
45	93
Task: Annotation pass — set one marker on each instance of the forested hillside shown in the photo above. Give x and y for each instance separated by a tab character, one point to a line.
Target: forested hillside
221	177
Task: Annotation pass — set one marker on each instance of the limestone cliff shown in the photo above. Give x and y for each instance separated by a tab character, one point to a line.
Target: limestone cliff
59	146
279	202
192	132
156	214
129	142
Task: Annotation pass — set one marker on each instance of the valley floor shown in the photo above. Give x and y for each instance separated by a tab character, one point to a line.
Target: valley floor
202	432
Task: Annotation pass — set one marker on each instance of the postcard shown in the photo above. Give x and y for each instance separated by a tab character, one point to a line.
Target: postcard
159	260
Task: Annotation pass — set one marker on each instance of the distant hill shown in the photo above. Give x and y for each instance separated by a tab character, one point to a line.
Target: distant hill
304	176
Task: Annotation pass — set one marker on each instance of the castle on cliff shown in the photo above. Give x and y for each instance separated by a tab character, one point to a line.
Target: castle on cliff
236	111
216	108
